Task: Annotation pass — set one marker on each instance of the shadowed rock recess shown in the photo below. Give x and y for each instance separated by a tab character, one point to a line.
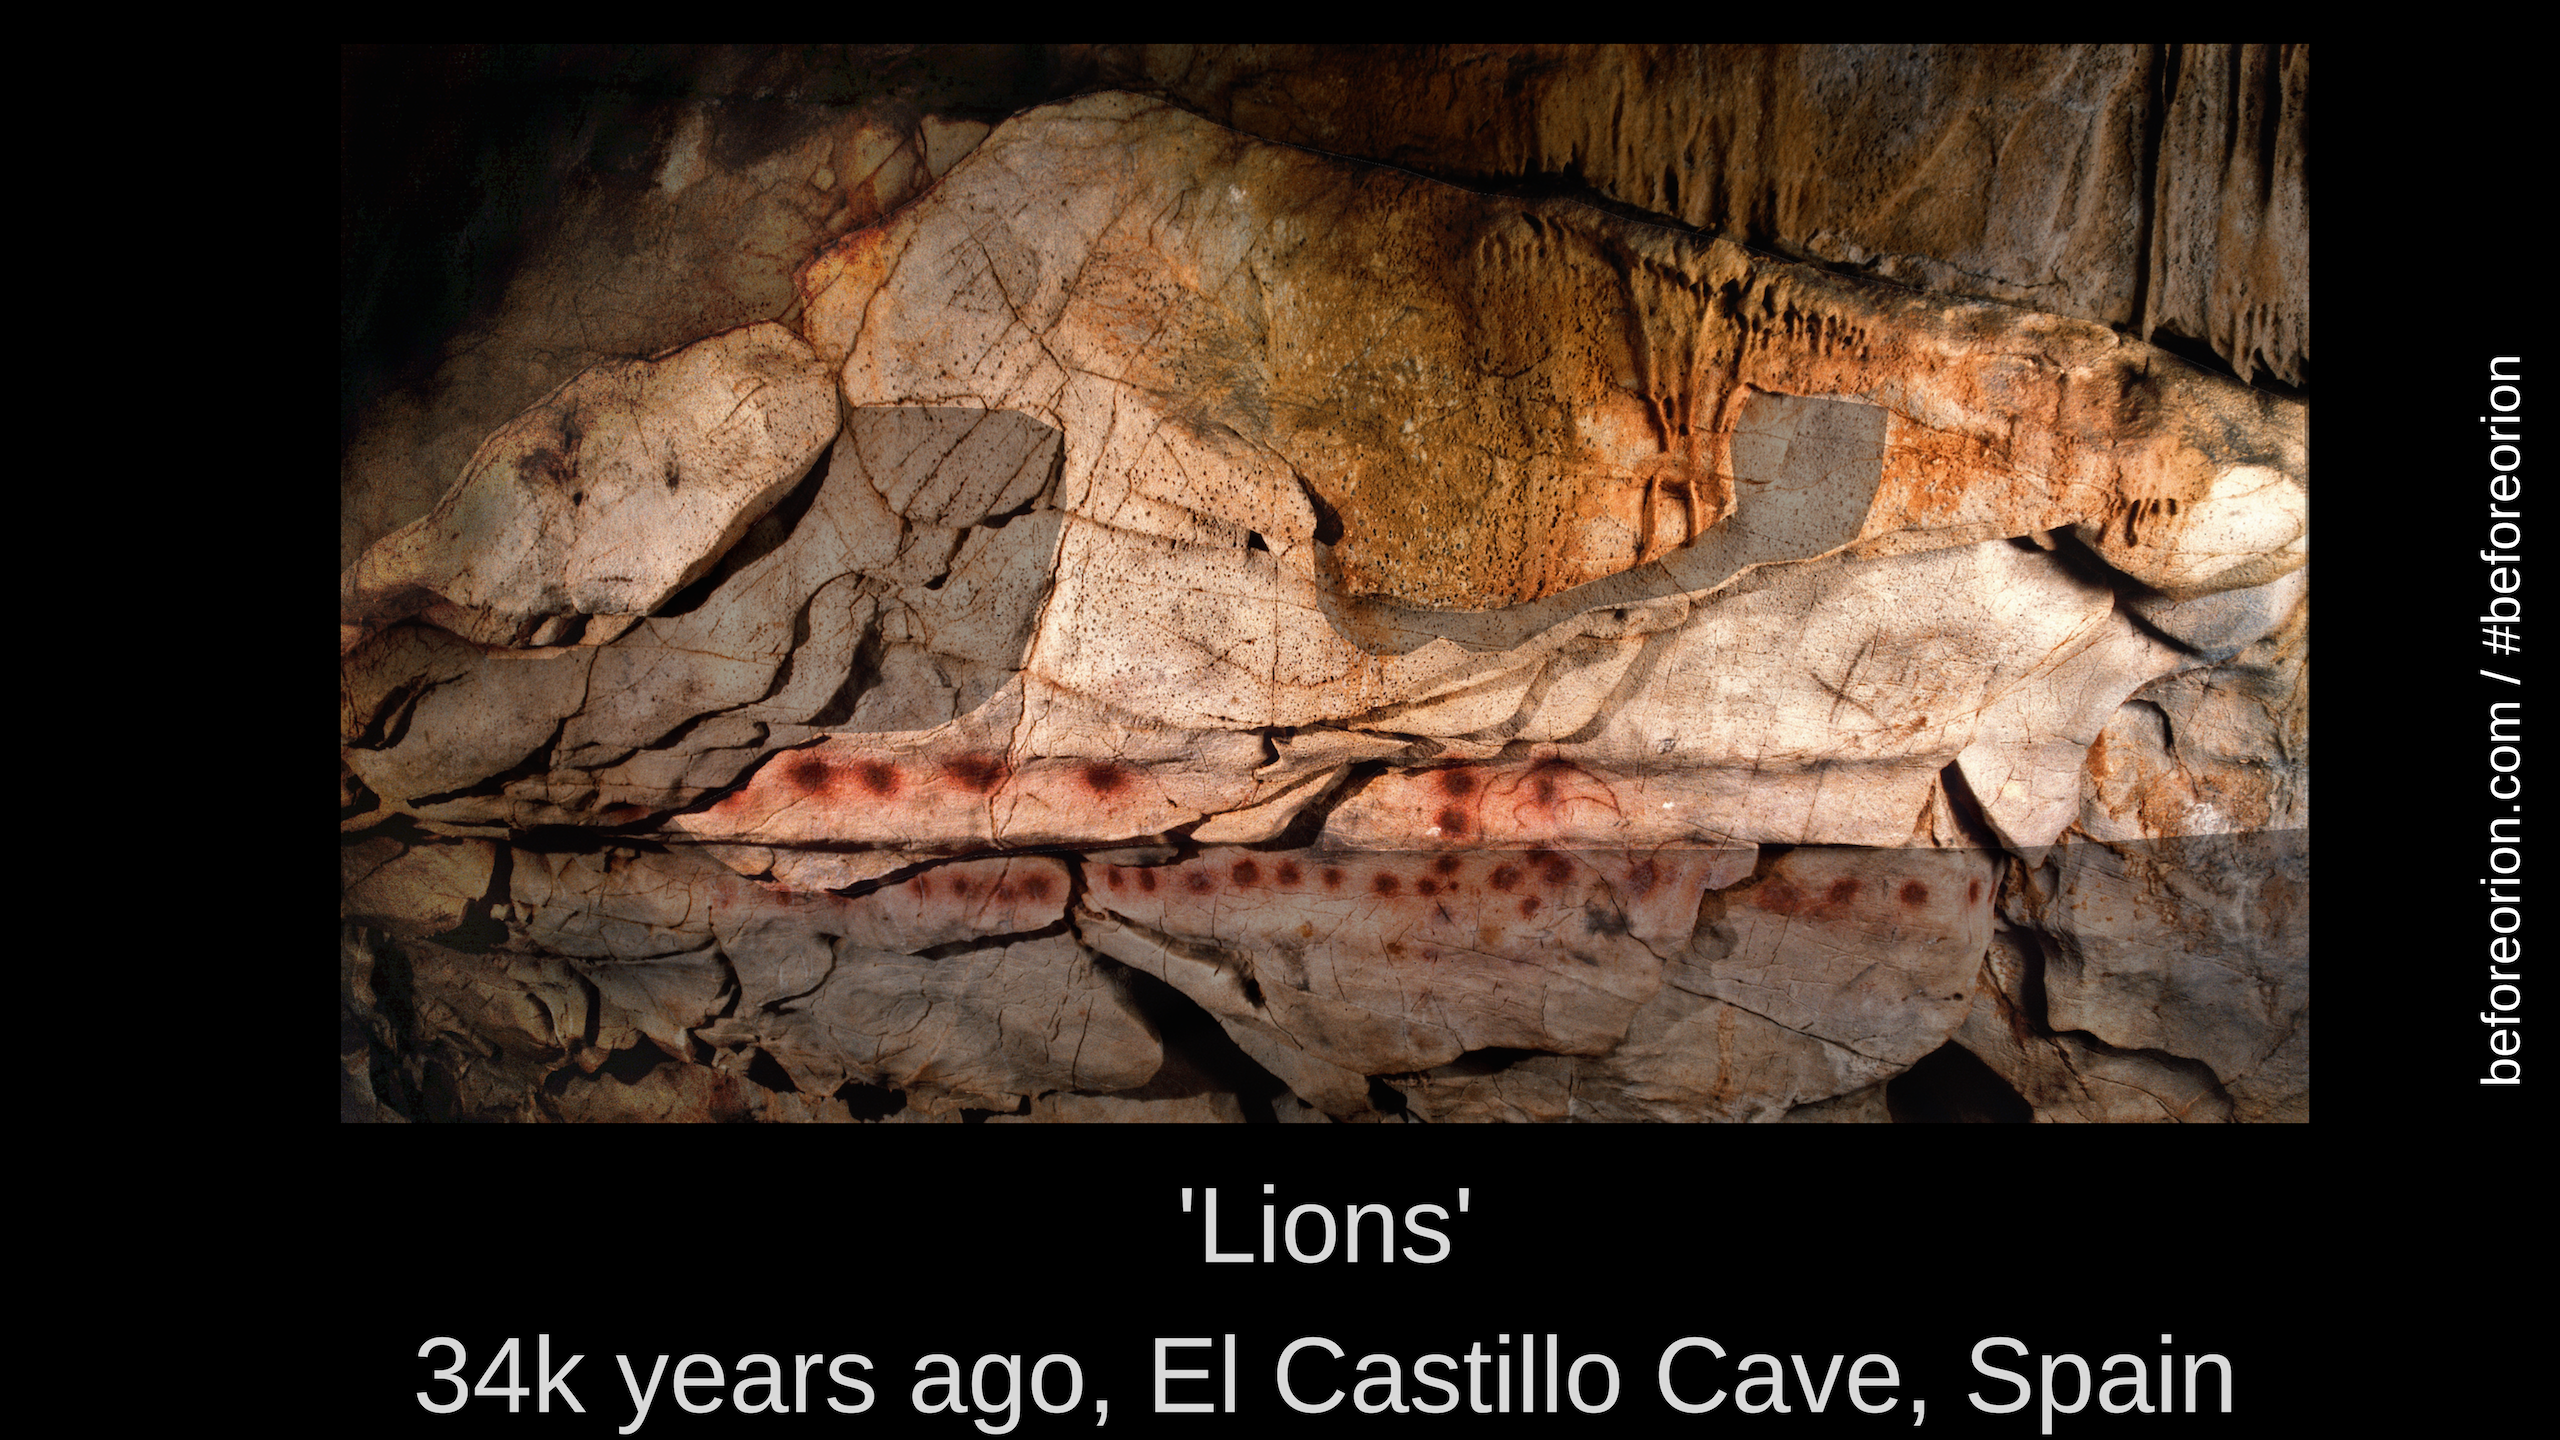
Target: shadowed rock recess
1050	584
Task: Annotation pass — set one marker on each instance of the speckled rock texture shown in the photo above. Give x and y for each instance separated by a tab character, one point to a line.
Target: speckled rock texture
1668	599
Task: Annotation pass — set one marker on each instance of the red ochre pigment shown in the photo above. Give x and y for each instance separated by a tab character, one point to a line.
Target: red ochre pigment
979	774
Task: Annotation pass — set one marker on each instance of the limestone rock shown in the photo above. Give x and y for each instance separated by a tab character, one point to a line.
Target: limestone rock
671	198
1620	362
2164	187
2073	1077
415	891
606	498
1195	629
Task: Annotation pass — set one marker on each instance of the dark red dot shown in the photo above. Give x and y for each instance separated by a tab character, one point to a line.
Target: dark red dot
920	885
1458	783
1246	872
1114	878
1332	878
1528	906
1198	882
1147	881
960	885
978	774
1447	864
1914	893
1036	886
1003	891
1546	779
1385	883
1452	819
1778	897
1504	877
1102	777
1972	891
877	776
1842	891
1426	886
1642	877
809	773
1555	867
1289	873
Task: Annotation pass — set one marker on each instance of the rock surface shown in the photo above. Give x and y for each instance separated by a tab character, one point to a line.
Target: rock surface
2163	188
1178	626
607	498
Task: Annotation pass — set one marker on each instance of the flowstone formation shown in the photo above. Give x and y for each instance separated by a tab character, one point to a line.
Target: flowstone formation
1182	626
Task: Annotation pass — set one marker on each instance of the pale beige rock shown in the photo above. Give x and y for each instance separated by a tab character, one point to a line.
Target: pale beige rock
1859	1107
608	496
608	946
414	891
506	1019
686	700
2217	626
984	1028
424	715
2207	528
1873	950
818	869
1832	972
662	998
2024	764
2066	1077
616	263
942	985
1394	962
2197	946
624	903
1685	1059
1269	819
1025	770
2178	920
613	903
1818	703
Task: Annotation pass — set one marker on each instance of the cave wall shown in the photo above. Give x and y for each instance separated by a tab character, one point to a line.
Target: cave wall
1215	583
